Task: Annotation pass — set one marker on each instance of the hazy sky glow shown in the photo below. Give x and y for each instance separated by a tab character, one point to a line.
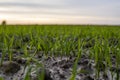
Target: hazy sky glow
60	11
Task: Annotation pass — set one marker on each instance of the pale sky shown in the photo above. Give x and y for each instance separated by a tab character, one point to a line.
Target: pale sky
60	11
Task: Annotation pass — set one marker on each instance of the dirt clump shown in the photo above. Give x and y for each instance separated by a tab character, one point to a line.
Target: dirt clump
10	67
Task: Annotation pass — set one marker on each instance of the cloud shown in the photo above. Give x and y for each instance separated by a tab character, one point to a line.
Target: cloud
91	11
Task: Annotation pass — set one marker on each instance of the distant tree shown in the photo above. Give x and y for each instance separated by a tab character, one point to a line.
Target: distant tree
4	22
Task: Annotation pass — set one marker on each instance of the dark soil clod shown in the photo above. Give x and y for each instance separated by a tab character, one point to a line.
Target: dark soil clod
10	67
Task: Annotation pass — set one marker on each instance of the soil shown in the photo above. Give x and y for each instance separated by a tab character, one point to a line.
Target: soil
55	68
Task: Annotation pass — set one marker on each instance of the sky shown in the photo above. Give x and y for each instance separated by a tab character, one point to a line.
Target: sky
60	11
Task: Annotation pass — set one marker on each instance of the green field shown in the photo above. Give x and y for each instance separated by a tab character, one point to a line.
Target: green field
100	45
